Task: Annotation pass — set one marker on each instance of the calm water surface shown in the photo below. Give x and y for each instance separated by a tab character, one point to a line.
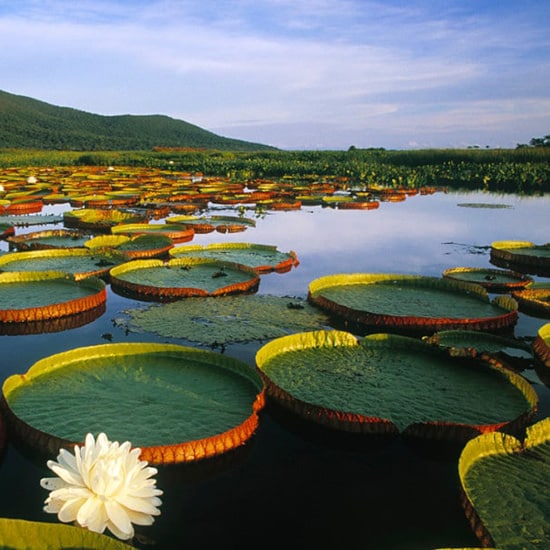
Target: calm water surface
292	485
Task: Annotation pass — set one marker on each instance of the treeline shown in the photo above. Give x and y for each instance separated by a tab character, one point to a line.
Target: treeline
525	171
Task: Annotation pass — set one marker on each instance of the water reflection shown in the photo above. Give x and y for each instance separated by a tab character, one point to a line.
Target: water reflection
288	488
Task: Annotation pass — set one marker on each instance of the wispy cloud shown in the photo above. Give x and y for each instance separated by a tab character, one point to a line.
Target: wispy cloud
369	73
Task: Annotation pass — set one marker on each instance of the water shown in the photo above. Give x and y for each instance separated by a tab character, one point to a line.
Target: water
292	484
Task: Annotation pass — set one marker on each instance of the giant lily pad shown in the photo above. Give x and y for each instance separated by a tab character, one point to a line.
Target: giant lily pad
6	230
470	343
20	534
178	233
234	319
136	246
53	238
176	403
533	300
522	256
43	295
262	257
96	219
494	280
411	303
390	383
505	488
541	344
541	348
34	219
207	224
79	262
179	278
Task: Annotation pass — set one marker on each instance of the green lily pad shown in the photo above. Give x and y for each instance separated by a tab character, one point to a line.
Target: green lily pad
53	238
331	378
505	484
178	233
178	278
522	256
137	246
411	303
31	219
79	262
99	219
205	224
262	257
213	321
6	230
494	280
176	403
19	534
541	348
42	295
483	205
533	300
469	343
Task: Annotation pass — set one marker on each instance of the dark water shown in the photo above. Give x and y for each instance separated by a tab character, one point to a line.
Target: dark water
293	485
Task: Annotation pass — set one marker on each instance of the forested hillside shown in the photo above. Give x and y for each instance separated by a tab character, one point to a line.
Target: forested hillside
32	124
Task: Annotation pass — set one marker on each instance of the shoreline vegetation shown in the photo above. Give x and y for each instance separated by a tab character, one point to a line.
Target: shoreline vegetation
524	170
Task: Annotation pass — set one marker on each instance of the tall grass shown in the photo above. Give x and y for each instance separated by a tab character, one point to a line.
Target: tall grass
522	170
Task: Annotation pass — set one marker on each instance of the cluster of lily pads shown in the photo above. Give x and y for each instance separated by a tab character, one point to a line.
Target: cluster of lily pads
428	345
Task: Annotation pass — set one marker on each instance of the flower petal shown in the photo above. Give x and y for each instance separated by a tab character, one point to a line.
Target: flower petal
69	476
144	492
92	515
117	516
118	533
146	506
70	509
52	483
67	460
140	519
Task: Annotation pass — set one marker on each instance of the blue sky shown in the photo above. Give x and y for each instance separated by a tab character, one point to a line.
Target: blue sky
296	74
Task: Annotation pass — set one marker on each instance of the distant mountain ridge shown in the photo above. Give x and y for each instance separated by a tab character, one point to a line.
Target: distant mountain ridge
29	123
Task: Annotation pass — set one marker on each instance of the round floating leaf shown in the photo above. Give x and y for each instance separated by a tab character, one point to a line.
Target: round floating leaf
99	219
35	219
542	344
213	221
6	230
79	262
483	205
262	257
470	343
494	280
137	246
541	348
19	534
535	300
234	319
522	254
392	383
411	303
176	403
54	238
504	483
177	233
180	278
32	296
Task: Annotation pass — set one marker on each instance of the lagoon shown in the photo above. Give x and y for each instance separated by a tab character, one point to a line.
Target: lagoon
292	484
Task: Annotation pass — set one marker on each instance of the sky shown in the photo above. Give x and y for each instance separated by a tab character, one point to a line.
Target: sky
294	74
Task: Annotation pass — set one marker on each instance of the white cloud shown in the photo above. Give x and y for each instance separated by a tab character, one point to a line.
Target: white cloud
356	69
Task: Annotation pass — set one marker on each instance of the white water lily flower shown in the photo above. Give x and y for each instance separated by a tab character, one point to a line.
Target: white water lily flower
103	485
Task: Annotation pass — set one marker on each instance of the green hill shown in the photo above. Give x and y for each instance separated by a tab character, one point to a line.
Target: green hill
28	123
